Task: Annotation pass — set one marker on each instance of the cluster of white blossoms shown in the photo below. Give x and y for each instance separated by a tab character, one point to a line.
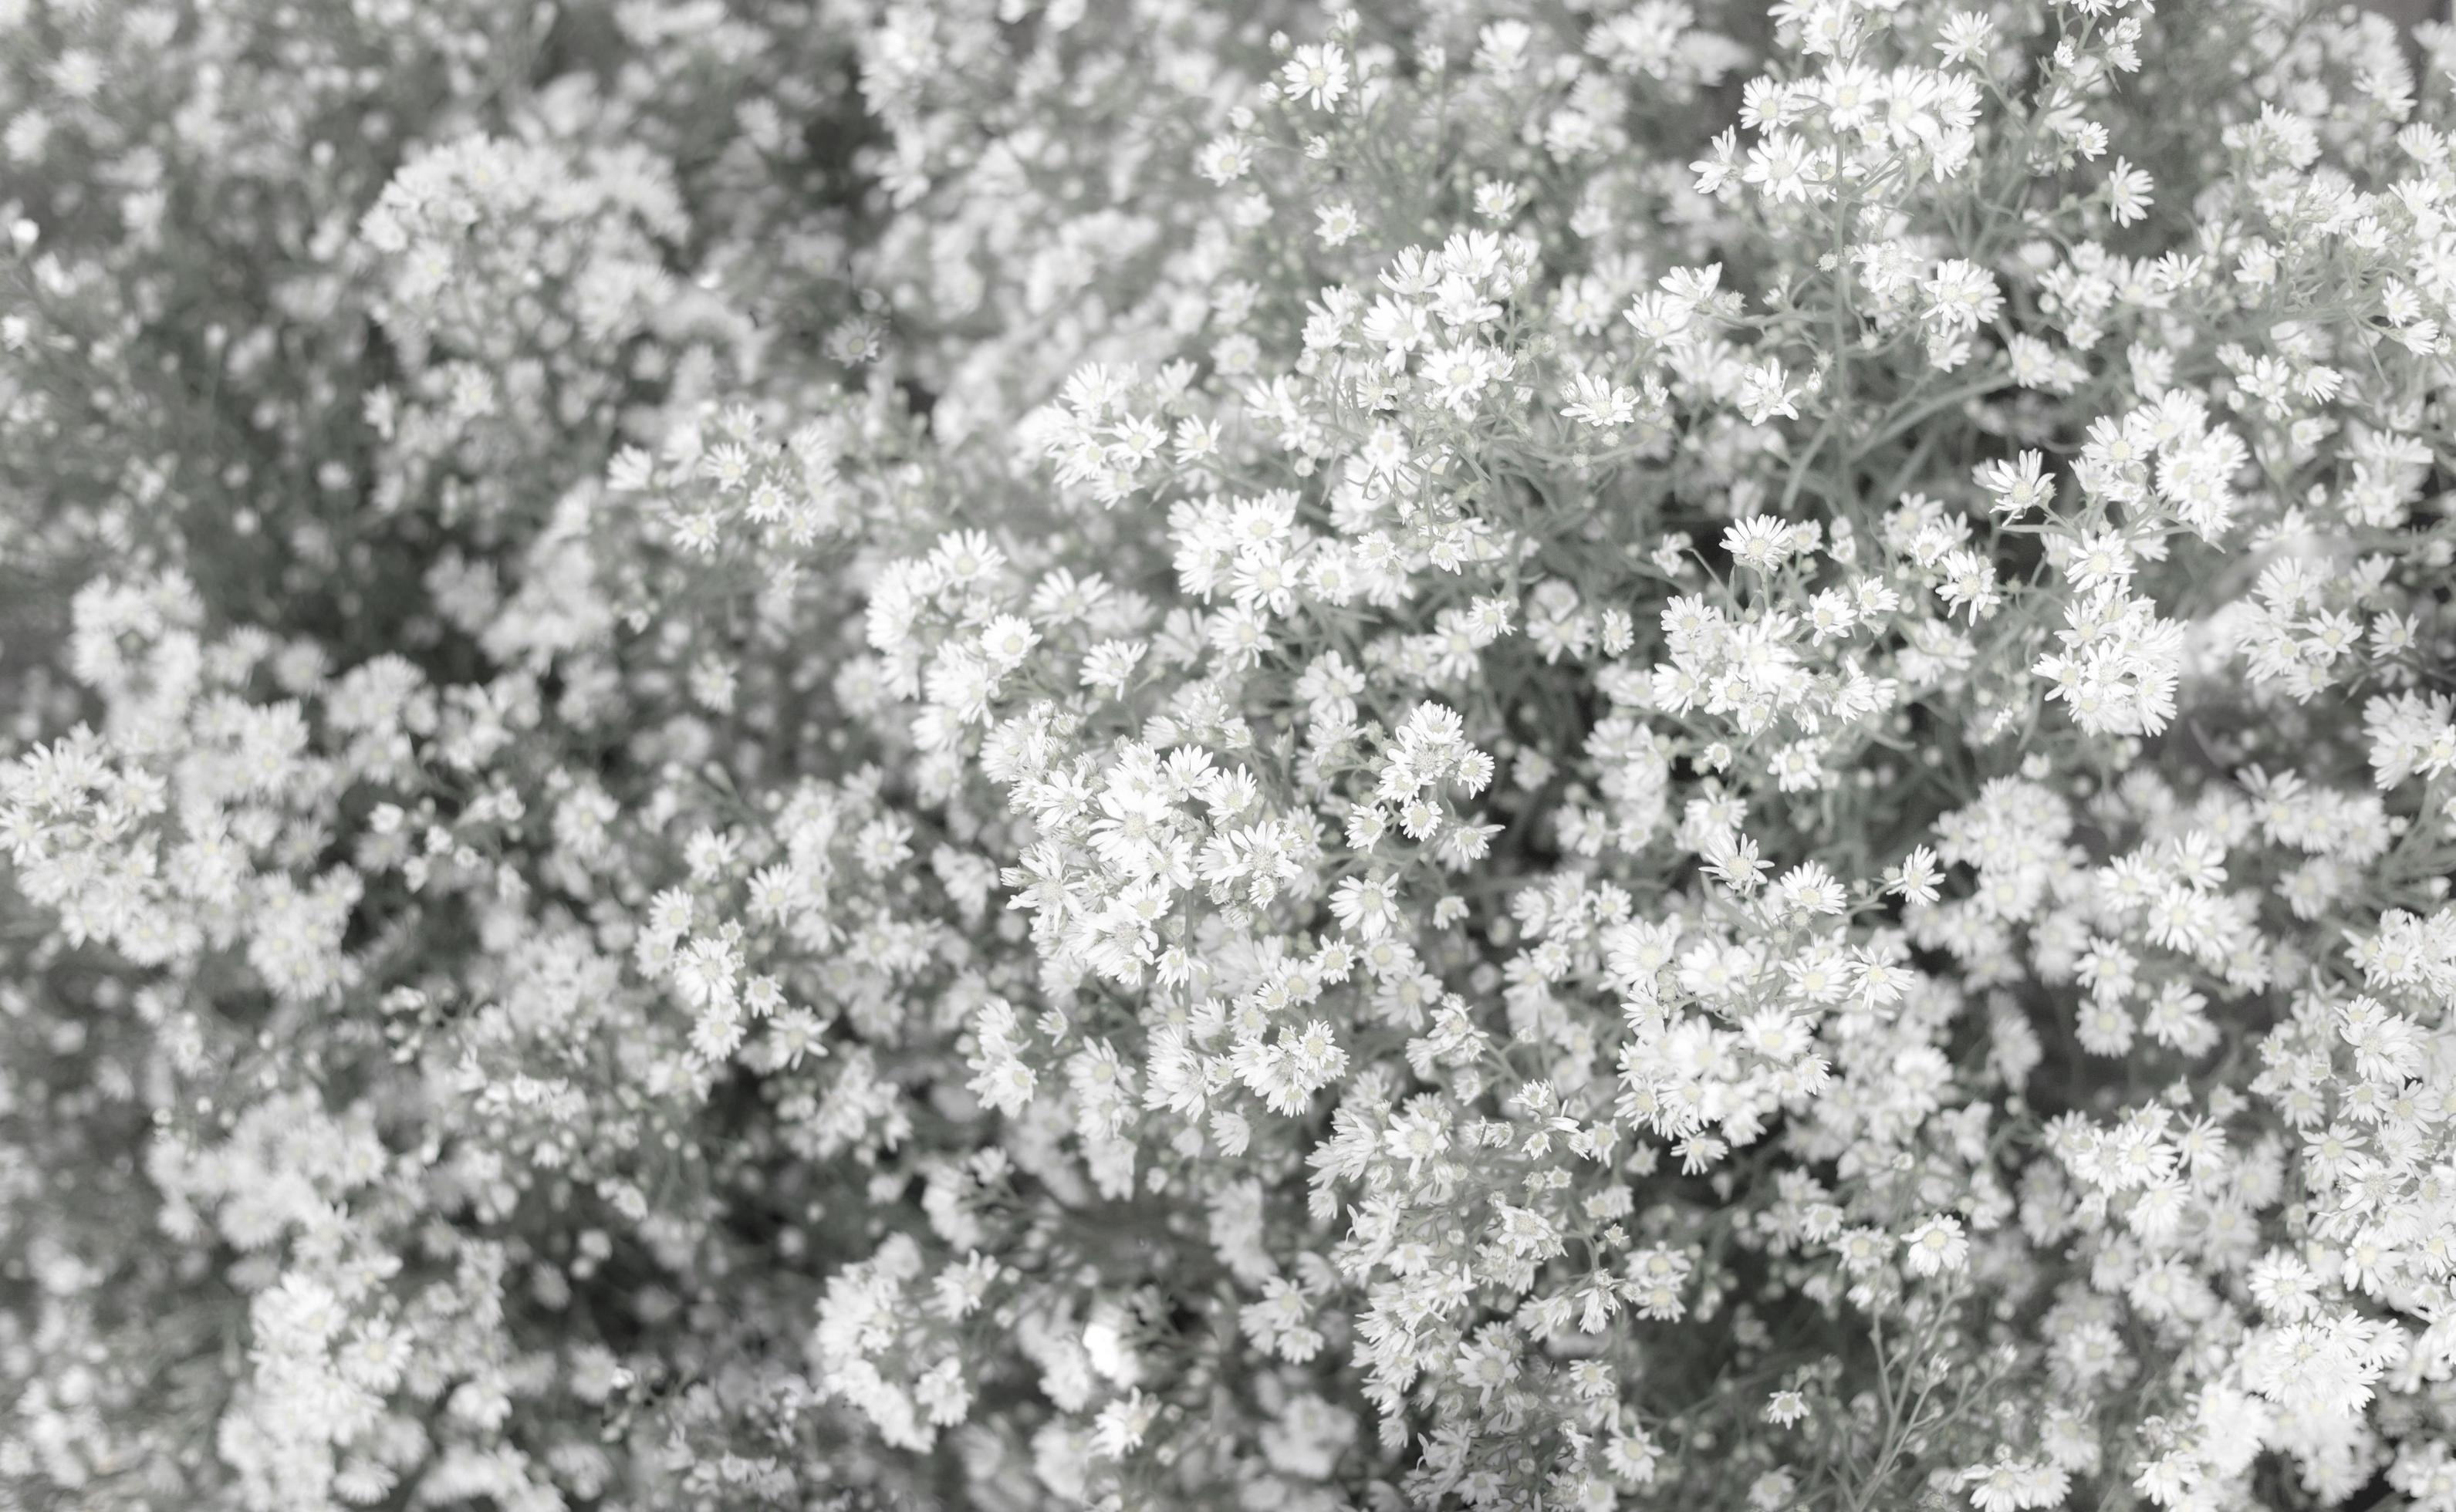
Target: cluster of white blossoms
1027	754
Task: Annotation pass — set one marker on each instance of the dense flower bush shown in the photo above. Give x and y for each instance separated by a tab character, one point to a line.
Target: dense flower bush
897	753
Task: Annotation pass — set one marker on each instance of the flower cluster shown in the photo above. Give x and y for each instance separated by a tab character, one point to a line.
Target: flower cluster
1107	752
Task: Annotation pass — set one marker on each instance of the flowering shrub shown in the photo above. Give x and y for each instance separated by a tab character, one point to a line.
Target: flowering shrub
903	753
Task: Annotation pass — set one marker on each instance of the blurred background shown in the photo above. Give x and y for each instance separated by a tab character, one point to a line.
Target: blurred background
2406	13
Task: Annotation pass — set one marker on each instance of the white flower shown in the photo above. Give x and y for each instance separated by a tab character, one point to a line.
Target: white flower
1317	75
1766	391
1366	907
1224	159
1786	168
1935	1245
